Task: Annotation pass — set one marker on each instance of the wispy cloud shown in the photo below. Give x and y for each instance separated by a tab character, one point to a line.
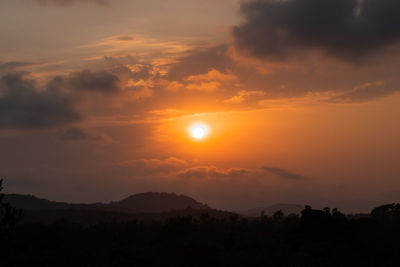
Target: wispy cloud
282	173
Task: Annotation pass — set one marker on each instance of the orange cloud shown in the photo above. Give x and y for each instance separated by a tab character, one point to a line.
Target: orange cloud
210	81
212	75
203	86
202	172
242	95
172	86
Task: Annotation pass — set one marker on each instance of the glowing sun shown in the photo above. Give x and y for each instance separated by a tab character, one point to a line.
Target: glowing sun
199	131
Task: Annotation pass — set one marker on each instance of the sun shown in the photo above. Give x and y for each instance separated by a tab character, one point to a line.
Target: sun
198	131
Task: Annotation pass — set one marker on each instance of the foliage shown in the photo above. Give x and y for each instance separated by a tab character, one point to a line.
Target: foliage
316	238
9	216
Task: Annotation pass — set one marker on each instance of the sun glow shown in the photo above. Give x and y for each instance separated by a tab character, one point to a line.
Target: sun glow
199	131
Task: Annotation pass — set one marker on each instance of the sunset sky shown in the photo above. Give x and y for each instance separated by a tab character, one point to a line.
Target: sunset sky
298	99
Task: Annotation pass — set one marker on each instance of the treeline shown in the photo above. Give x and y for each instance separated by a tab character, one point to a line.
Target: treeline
314	238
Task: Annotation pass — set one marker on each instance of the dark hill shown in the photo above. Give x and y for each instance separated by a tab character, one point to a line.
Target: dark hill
158	202
139	203
29	202
144	207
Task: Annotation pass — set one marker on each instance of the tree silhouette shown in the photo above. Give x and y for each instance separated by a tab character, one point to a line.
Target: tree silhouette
9	216
386	211
278	215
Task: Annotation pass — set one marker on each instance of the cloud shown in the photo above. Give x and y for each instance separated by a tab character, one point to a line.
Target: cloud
12	65
212	58
167	112
351	30
23	106
87	80
365	92
242	96
210	81
279	81
125	38
202	172
282	173
172	86
32	101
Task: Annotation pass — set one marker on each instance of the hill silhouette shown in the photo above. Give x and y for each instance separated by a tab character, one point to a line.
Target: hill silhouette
150	202
76	235
158	202
30	202
145	207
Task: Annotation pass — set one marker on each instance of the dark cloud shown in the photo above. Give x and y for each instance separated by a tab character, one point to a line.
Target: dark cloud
11	65
365	92
29	103
351	30
23	106
282	173
87	80
125	38
205	59
136	72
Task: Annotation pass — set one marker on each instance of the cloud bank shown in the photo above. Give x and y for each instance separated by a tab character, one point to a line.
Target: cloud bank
350	30
22	106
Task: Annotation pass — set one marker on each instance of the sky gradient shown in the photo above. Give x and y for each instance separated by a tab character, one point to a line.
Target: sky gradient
301	98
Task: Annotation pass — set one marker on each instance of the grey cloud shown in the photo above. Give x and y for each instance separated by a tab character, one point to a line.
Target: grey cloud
351	30
282	173
365	92
125	38
11	65
22	106
26	103
205	59
87	80
305	77
141	71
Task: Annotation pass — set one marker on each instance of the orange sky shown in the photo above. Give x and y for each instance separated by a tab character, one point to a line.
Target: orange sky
96	99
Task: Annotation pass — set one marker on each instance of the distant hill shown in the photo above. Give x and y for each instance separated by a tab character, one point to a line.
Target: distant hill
139	203
144	207
158	202
270	210
29	202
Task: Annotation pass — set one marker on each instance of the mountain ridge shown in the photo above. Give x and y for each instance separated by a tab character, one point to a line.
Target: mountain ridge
148	202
